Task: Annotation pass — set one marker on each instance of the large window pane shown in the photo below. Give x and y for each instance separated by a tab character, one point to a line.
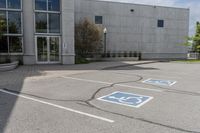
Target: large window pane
54	5
14	4
54	23
42	54
41	22
14	22
15	44
41	4
2	3
54	48
3	24
3	45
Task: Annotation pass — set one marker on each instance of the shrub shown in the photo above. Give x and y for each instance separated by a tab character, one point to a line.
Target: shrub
88	38
135	54
108	54
114	54
125	54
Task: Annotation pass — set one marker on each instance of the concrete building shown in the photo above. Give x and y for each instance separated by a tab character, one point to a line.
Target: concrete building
42	31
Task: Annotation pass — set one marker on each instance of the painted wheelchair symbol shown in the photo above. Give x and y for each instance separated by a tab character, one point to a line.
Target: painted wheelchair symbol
126	100
162	82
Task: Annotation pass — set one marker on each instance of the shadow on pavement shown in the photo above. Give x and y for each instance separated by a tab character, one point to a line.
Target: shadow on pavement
14	80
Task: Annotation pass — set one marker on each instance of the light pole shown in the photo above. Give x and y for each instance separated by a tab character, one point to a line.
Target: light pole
105	33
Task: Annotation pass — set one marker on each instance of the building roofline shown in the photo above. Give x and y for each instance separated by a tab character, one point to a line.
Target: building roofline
184	8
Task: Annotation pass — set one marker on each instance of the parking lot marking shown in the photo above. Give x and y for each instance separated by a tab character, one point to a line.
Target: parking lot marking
58	106
109	83
127	99
160	82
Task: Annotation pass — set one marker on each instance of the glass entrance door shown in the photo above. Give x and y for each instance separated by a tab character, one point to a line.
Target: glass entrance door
54	49
48	49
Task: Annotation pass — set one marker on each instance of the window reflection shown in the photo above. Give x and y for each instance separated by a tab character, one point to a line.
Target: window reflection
2	3
54	5
41	22
3	45
14	4
14	22
41	4
3	22
15	44
54	23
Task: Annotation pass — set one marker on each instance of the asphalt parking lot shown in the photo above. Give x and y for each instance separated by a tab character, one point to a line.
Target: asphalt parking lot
103	97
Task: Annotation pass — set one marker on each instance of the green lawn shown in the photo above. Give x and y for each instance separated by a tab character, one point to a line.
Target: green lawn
189	61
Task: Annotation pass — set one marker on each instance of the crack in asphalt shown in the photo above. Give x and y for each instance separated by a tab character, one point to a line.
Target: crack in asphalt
166	89
89	104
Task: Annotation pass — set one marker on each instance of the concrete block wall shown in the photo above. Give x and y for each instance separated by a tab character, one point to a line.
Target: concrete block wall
68	52
138	31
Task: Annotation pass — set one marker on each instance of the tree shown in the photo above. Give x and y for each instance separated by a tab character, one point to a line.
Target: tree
88	38
196	38
2	26
194	41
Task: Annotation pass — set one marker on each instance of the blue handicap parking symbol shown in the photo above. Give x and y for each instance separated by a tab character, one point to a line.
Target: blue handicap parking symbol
160	82
127	99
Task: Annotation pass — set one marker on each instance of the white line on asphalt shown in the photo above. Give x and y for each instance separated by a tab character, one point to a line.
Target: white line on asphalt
58	106
108	83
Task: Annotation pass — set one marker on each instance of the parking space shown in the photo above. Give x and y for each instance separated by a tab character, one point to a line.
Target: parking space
126	97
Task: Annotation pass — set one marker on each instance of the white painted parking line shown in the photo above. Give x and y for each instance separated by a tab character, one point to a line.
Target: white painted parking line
58	106
109	83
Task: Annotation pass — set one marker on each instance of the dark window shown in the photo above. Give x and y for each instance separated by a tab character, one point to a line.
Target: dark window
14	4
41	22
11	27
54	5
160	23
14	22
2	3
3	44
98	20
41	4
15	44
3	21
54	23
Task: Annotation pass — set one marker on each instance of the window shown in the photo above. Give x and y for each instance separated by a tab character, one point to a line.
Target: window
53	5
40	4
11	26
47	20
14	4
98	20
54	23
2	3
160	23
14	22
4	45
41	22
3	21
15	44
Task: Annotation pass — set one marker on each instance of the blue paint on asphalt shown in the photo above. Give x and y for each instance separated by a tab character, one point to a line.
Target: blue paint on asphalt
160	82
128	99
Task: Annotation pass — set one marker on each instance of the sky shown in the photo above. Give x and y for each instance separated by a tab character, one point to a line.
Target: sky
194	6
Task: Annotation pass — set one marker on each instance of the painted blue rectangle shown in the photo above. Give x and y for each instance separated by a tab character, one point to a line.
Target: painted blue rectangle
127	99
160	82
